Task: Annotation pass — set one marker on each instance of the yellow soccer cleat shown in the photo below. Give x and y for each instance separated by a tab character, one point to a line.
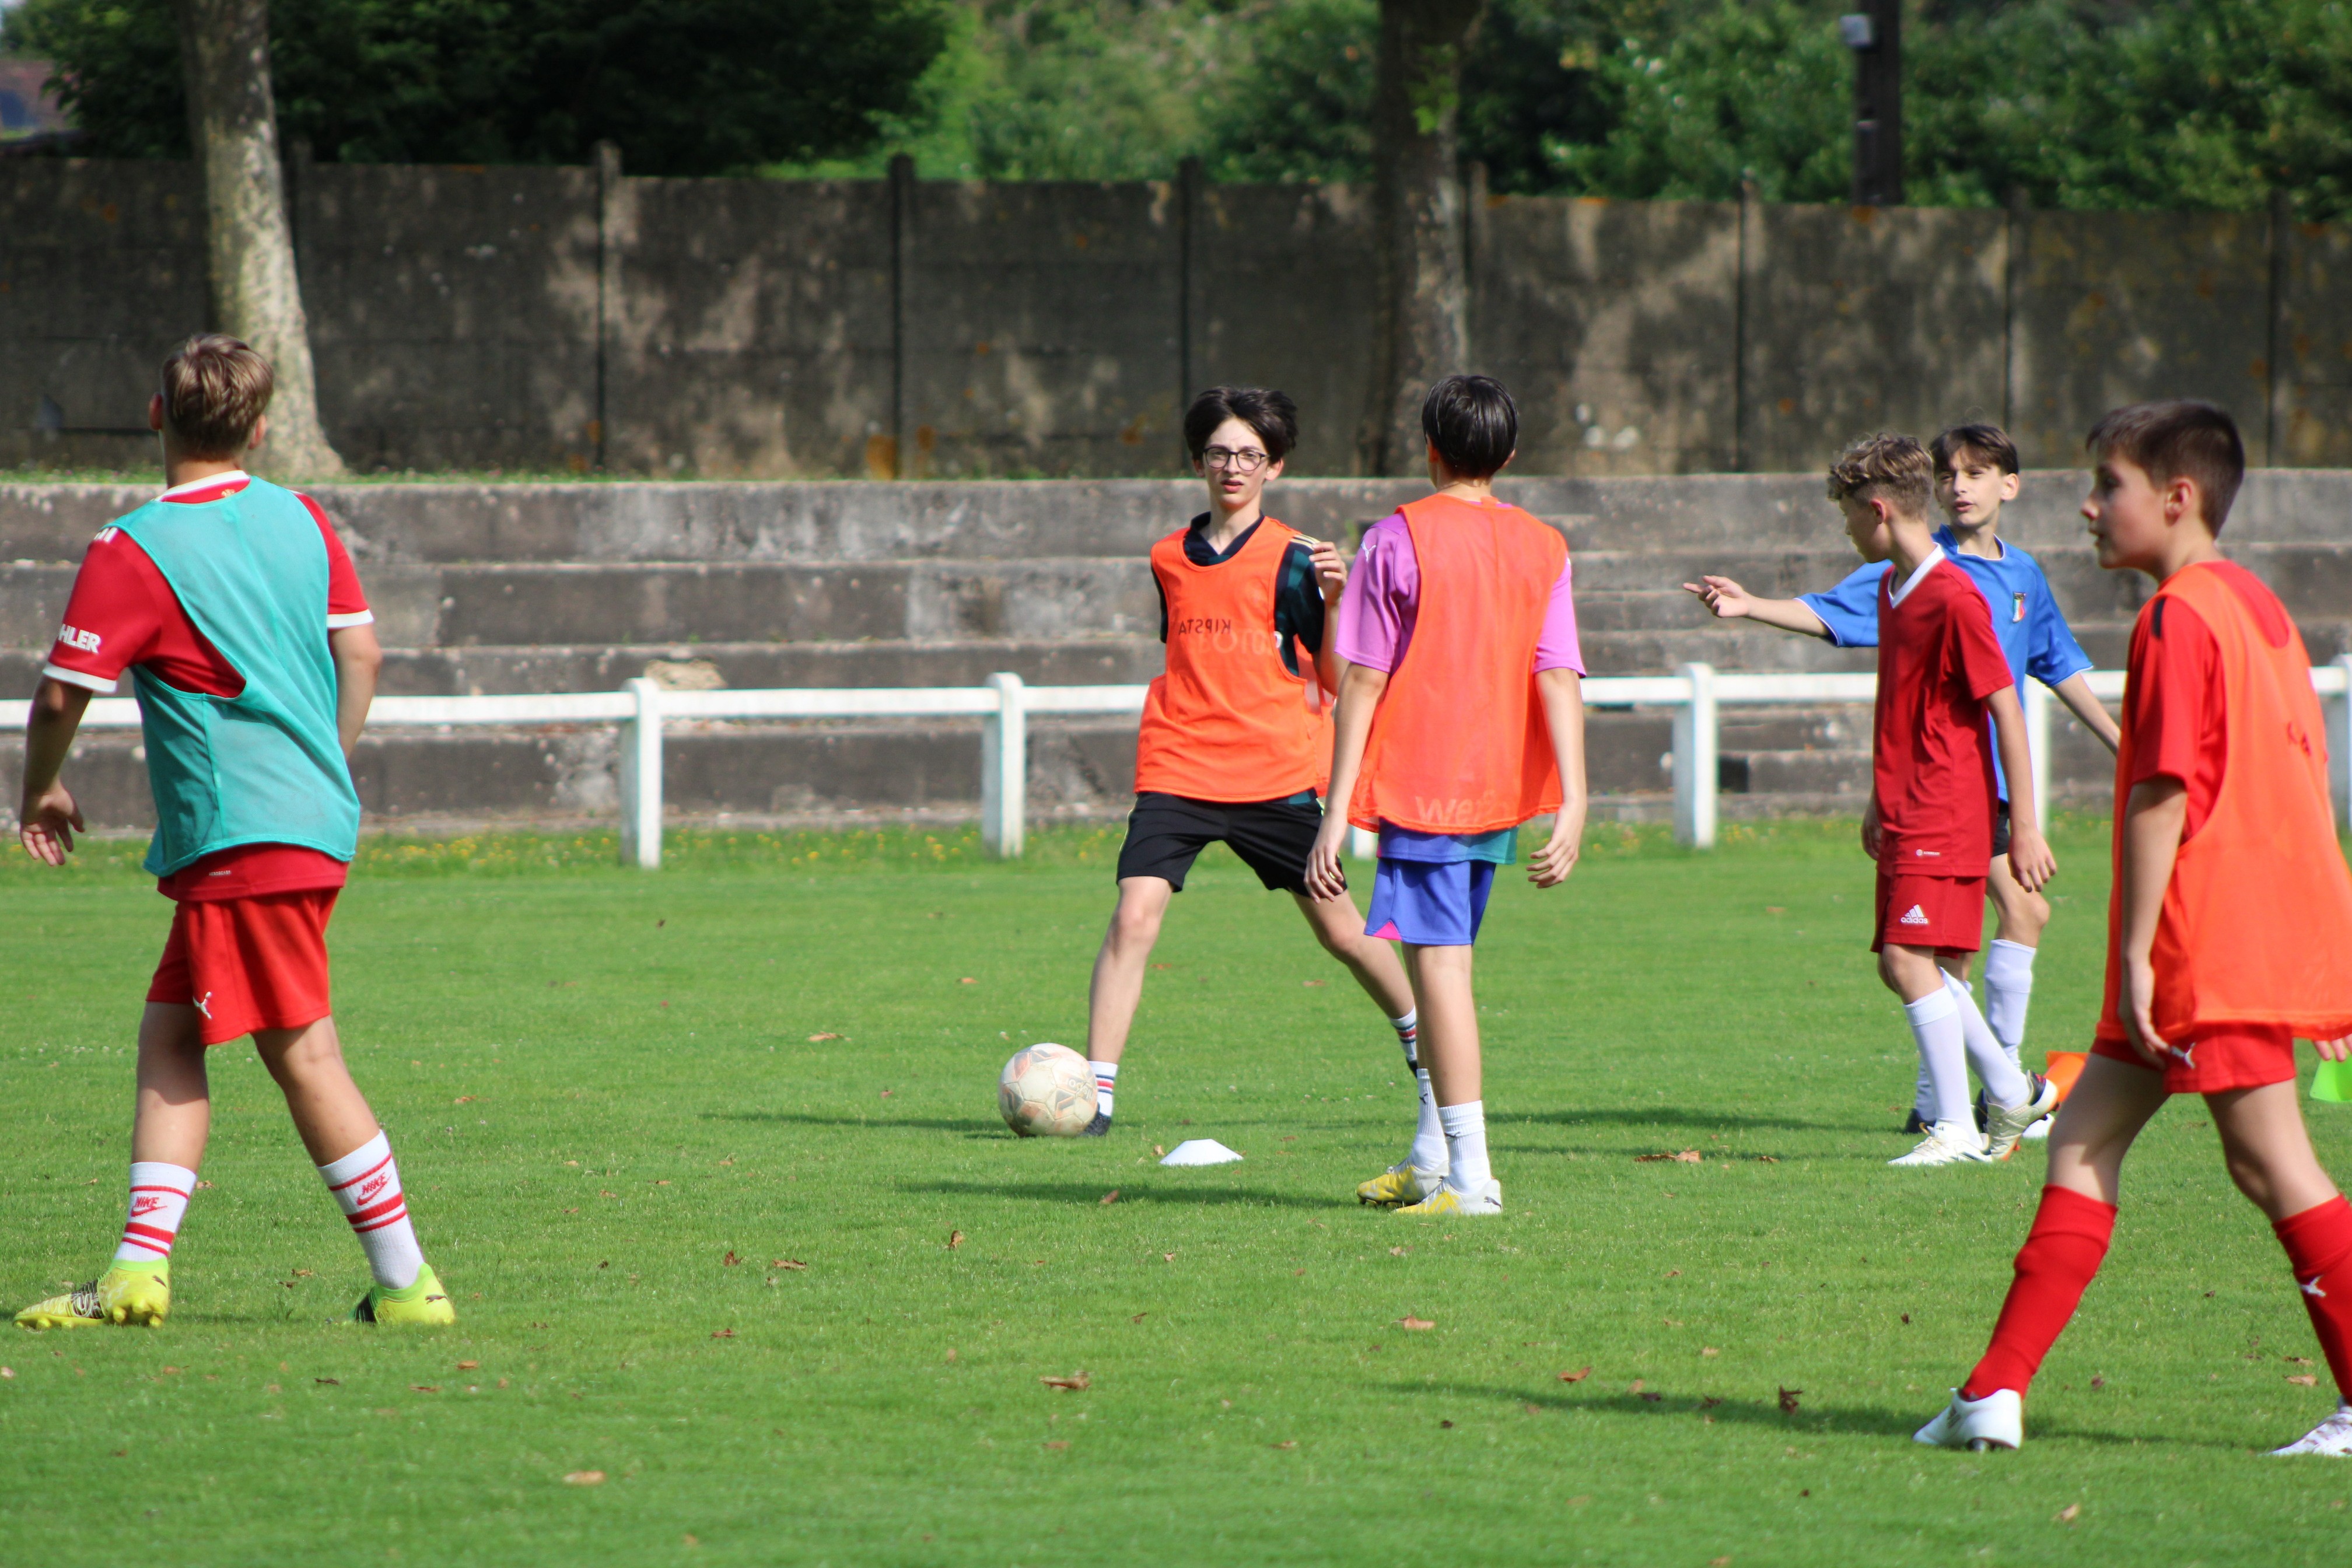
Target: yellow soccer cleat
423	1303
127	1293
1478	1198
1403	1182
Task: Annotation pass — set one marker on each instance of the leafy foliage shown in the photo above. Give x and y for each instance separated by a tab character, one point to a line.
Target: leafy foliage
684	86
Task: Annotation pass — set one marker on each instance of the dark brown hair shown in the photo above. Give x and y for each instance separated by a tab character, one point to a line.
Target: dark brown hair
1473	423
1990	442
1271	413
2179	437
1893	468
215	390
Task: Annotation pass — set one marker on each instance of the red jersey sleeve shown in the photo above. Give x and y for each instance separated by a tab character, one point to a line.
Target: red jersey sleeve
115	614
347	603
2175	707
1977	661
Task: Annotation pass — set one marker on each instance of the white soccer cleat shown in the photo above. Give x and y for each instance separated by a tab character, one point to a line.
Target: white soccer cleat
2006	1125
2040	1131
1996	1421
1947	1144
2331	1439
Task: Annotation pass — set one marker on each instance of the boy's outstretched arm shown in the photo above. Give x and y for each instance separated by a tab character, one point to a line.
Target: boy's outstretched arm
2075	691
46	816
1351	726
1562	691
2154	813
358	658
1727	601
2030	859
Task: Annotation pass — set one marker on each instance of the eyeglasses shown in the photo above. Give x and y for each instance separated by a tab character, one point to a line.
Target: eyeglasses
1248	460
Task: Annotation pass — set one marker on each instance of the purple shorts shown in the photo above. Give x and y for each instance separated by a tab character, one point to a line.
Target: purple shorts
1430	904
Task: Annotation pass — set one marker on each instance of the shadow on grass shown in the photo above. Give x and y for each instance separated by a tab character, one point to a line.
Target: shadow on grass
970	1127
1808	1419
1091	1193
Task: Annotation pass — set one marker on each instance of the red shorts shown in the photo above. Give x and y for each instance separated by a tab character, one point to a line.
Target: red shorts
1946	913
2239	1055
248	963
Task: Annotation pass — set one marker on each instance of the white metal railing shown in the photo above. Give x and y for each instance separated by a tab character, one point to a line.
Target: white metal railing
1696	693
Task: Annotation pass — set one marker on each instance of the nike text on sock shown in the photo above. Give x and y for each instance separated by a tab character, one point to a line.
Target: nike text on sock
2062	1254
1105	1086
1408	1033
2008	987
2005	1082
2319	1243
159	1198
1465	1142
1936	1028
366	1186
1428	1133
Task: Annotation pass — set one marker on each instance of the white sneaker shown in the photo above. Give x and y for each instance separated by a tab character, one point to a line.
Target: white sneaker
2332	1439
1468	1198
2006	1124
1996	1421
2040	1131
1947	1144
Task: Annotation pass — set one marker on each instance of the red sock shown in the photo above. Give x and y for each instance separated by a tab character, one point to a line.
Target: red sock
2062	1252
2319	1243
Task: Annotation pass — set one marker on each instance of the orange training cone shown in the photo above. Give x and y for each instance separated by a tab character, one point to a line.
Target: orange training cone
2065	1067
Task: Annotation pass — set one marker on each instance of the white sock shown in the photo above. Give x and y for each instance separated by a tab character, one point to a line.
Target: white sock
1105	1086
1429	1153
159	1197
366	1184
1408	1031
1922	1095
1936	1026
1465	1142
2008	988
2005	1082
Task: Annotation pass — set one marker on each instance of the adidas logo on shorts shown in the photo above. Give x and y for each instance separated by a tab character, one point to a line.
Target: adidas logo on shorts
1915	917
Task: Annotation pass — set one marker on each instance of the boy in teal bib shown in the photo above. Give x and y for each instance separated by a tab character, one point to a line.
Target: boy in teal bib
239	618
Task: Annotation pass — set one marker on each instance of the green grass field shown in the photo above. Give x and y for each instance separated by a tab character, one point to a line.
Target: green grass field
602	1084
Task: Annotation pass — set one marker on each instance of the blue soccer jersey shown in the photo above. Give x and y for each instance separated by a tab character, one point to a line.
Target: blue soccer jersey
2025	615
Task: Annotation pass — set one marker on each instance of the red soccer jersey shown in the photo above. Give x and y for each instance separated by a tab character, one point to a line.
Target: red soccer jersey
2174	698
122	613
1931	751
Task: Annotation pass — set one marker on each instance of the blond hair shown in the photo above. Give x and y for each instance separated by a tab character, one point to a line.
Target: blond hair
1893	469
215	390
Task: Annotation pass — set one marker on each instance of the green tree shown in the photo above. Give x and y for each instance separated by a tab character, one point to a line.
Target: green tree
684	86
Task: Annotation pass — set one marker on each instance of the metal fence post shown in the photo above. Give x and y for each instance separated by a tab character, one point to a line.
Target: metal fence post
1695	759
641	778
2037	748
1004	770
2339	743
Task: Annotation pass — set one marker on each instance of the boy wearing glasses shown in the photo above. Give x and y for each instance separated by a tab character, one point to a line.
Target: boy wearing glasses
1236	737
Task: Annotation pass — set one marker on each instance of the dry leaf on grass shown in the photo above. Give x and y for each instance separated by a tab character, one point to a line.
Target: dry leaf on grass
463	1099
1636	1386
424	1388
822	1035
330	1382
469	1365
1109	1198
967	980
1139	1316
2070	1514
1579	1375
1058	1444
1160	1151
1788	1399
795	1262
1076	1380
1686	1157
2098	1382
1721	1561
584	1479
1709	1352
1448	1424
1415	1323
730	1260
1535	1409
1768	1159
722	1333
1291	1444
955	1239
2305	1379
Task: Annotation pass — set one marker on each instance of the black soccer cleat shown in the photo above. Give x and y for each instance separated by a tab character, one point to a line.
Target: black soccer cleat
1097	1128
1913	1125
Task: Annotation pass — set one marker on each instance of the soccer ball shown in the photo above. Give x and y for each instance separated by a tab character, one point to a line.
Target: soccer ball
1047	1091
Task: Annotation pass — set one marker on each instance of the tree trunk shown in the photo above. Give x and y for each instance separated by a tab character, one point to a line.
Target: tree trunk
1422	276
256	292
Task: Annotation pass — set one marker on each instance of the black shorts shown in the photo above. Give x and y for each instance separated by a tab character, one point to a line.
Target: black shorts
1167	832
2000	828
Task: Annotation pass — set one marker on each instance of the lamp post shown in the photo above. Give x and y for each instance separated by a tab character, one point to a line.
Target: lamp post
1876	37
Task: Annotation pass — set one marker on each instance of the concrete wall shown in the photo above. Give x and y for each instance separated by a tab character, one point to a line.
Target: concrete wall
550	319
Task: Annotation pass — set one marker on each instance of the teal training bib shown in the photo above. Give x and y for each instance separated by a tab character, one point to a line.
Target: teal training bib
267	765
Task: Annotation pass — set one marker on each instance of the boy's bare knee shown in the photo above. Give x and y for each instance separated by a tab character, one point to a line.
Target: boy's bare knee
294	1056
